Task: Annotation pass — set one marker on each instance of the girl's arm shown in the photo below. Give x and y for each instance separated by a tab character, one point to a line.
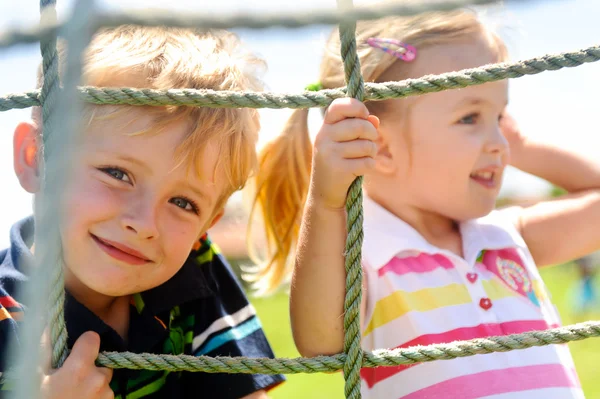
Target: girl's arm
566	228
343	150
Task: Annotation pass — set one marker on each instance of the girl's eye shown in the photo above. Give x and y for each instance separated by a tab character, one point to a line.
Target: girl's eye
117	174
185	204
470	119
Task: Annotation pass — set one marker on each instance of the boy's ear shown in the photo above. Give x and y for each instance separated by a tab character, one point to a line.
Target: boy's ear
25	156
217	217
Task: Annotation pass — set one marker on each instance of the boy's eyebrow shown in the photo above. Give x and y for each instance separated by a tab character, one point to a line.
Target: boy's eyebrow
127	158
200	193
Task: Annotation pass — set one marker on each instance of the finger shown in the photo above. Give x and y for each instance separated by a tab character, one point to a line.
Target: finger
359	166
107	372
357	149
46	352
344	108
84	352
353	129
374	121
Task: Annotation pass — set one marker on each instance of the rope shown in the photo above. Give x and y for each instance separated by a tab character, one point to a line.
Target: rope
320	364
352	301
310	99
242	20
49	98
353	357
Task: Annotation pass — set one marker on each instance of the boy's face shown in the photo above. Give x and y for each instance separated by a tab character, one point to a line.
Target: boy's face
132	212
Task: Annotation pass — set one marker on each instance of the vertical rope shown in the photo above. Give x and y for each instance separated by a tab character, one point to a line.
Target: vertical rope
352	344
49	98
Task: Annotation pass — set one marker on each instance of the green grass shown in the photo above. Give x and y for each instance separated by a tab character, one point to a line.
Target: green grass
273	312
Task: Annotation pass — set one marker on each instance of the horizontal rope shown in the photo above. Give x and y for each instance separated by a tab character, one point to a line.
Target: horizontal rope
242	20
310	99
319	364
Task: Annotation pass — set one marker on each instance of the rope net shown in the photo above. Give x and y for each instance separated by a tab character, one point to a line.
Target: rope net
55	100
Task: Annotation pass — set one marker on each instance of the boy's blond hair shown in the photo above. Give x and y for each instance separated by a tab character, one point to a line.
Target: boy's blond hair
285	163
173	58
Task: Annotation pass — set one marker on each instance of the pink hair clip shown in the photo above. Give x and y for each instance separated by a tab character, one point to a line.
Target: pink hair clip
403	51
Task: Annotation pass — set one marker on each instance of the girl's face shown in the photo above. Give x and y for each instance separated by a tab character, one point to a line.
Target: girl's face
445	150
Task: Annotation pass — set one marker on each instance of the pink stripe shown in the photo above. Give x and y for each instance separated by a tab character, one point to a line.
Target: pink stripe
372	376
497	382
422	263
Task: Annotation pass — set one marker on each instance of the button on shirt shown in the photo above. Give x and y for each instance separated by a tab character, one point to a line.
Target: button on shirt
419	294
202	310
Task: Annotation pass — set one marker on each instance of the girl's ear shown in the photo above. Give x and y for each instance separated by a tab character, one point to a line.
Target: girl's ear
25	156
384	160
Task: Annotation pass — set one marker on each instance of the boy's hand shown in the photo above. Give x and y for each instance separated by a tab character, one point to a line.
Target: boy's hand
344	149
79	377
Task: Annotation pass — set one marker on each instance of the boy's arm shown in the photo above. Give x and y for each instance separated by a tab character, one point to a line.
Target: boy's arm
565	228
262	394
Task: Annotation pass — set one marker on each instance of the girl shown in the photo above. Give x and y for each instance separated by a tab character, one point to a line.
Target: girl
440	264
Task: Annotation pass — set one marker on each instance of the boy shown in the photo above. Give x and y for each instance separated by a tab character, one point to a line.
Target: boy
144	186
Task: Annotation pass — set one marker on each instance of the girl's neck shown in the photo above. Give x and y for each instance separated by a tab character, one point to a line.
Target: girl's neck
438	230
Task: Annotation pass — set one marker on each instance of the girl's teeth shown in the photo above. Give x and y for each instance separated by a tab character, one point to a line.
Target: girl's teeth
484	175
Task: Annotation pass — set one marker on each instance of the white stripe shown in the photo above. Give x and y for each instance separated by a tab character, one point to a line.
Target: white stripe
546	393
427	374
231	320
412	325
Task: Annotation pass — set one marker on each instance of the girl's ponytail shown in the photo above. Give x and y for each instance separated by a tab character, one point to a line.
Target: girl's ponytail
280	193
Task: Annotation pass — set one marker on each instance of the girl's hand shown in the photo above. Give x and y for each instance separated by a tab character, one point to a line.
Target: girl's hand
513	135
344	149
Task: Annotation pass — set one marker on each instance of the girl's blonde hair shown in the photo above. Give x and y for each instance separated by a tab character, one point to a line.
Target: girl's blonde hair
173	58
285	162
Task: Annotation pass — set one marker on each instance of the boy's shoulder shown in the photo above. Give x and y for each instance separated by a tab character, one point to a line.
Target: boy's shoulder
11	277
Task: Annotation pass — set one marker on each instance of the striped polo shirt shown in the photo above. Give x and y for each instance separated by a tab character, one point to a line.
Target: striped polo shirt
419	294
202	310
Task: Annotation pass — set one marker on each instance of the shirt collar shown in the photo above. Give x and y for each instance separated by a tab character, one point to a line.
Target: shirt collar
191	282
386	235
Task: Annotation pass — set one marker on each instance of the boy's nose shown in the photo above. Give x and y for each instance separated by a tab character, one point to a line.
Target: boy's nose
142	222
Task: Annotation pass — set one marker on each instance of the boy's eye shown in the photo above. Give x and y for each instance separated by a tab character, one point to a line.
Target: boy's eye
469	119
185	204
117	174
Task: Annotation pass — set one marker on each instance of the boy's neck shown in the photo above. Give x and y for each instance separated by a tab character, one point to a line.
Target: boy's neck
114	311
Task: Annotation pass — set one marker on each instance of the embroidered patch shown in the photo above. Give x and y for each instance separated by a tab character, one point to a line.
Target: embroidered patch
508	267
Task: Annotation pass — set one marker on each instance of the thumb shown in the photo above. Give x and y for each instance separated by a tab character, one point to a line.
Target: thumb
46	353
85	350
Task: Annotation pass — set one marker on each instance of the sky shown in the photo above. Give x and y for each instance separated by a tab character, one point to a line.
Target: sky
557	107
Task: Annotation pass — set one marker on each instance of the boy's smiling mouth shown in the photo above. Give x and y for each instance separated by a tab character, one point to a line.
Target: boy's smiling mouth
121	252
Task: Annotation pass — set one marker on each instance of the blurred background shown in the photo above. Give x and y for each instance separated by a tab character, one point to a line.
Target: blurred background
560	107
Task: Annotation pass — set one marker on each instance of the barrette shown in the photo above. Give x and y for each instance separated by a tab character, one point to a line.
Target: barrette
398	49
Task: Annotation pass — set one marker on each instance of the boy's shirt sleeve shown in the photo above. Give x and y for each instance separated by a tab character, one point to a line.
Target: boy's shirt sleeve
8	332
227	326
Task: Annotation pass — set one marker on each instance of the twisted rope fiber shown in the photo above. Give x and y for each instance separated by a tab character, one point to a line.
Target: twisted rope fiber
382	357
353	357
49	98
241	20
354	239
373	91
